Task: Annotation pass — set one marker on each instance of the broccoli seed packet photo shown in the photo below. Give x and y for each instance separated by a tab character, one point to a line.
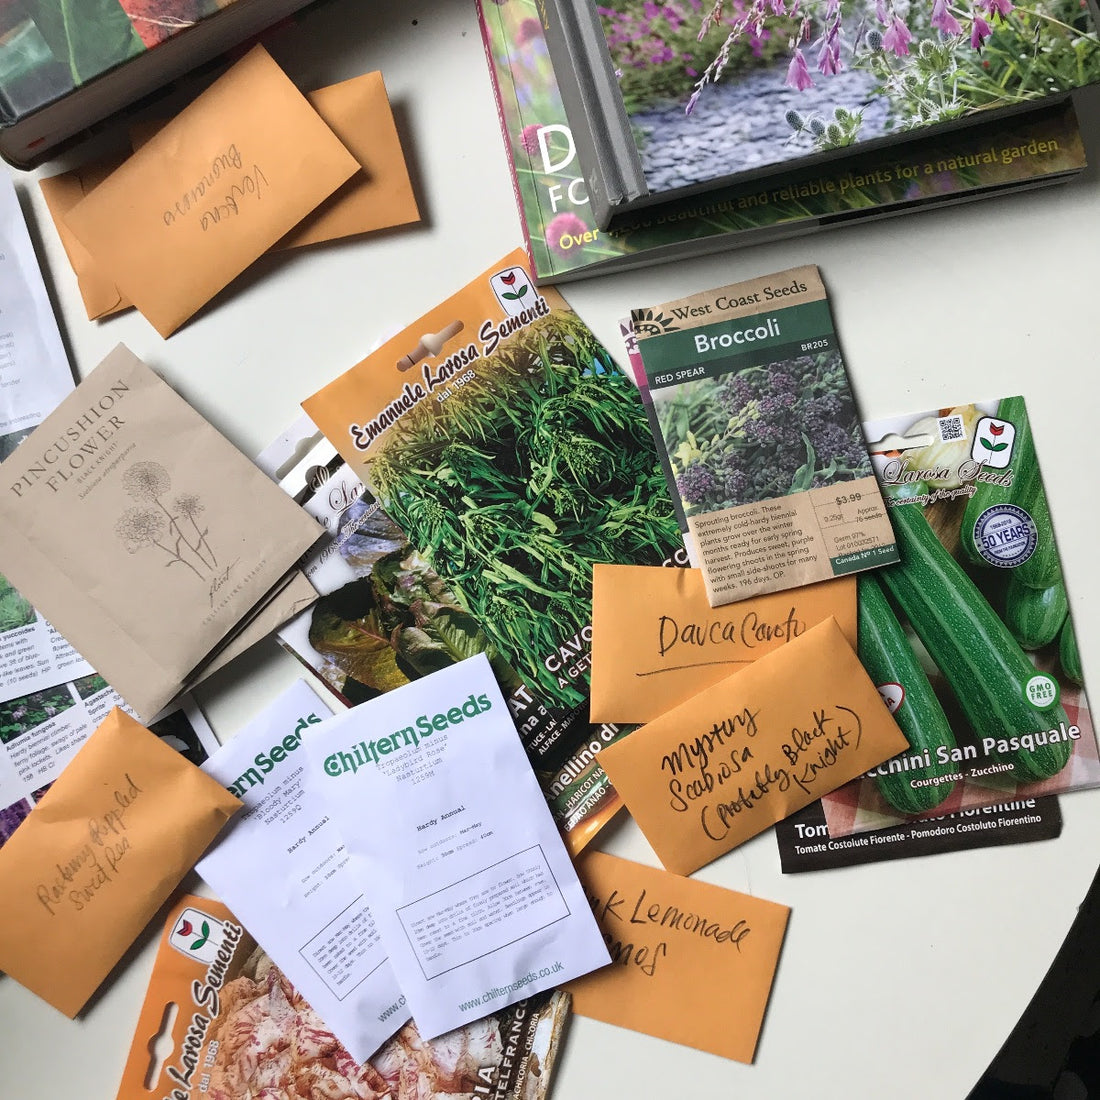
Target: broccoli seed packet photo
969	638
469	881
765	452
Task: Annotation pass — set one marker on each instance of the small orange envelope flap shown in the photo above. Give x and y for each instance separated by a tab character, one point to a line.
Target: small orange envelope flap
212	191
679	949
380	195
656	641
747	752
94	860
100	295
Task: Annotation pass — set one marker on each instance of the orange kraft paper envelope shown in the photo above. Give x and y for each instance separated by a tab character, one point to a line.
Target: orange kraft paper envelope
677	946
749	751
94	860
656	641
379	196
211	192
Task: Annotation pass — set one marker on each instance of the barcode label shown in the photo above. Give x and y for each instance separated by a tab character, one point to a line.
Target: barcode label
951	428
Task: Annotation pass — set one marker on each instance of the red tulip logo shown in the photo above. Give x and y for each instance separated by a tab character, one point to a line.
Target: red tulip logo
508	279
992	446
185	928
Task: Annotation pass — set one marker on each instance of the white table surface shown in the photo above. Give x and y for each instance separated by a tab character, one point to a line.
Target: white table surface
897	980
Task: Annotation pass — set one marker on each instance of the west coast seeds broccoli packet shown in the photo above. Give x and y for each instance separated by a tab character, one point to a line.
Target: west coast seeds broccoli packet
969	638
755	412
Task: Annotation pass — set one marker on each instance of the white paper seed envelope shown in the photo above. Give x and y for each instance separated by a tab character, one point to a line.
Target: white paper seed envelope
469	881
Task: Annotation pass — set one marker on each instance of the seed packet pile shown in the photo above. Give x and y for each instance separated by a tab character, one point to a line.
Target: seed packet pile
501	436
751	404
969	638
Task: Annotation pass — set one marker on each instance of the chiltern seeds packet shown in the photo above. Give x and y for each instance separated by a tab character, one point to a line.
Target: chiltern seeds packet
764	444
141	533
469	882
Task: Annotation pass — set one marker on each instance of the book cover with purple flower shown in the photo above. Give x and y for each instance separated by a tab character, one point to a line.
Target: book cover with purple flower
564	241
723	90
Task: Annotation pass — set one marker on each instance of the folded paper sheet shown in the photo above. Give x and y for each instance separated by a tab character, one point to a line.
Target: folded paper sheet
656	641
85	872
211	192
745	753
678	946
181	538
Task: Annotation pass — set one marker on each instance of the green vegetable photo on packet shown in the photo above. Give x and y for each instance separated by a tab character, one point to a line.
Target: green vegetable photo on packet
501	436
969	638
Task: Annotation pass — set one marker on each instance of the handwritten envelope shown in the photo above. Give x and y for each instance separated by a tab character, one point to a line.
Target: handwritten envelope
211	191
691	962
656	640
89	867
743	754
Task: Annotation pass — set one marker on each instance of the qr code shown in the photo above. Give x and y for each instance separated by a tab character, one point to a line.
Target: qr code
951	428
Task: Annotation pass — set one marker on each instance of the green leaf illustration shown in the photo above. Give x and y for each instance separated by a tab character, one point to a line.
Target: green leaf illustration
993	446
205	930
514	296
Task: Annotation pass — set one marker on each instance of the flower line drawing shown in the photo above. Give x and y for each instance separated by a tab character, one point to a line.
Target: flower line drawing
174	529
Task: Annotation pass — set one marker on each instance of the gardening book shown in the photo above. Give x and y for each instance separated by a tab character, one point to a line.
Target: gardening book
504	440
563	241
68	64
969	638
752	407
666	101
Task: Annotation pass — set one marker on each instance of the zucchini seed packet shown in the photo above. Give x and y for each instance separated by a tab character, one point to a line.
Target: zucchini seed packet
969	638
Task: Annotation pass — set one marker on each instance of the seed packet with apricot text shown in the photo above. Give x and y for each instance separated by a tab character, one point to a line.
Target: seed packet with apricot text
765	453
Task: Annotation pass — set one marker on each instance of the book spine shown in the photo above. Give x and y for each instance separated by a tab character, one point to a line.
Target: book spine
604	192
487	43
